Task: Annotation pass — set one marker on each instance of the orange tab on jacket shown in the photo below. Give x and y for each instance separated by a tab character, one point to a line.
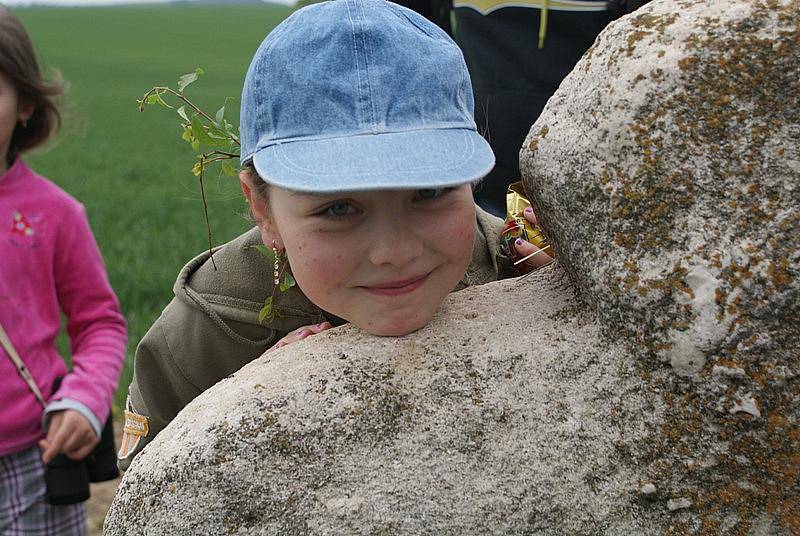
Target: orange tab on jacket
136	427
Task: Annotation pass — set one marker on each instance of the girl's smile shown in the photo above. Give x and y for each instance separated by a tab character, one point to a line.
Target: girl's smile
397	288
382	260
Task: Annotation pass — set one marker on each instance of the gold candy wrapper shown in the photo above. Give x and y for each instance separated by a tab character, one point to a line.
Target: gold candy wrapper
518	227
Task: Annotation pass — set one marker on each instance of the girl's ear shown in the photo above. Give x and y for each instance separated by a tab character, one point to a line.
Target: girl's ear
259	208
25	110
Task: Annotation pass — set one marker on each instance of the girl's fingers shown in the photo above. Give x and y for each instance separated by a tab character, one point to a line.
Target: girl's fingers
301	333
70	433
530	216
56	436
81	452
525	248
317	328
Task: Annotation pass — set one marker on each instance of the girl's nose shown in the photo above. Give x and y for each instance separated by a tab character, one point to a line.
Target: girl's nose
396	246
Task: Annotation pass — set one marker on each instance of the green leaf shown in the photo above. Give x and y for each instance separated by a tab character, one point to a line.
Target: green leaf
199	131
288	281
228	168
220	115
187	134
188	78
266	312
182	113
215	133
202	135
264	250
197	168
155	98
195	145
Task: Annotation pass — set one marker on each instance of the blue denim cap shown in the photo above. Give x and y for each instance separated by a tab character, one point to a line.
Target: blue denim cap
355	95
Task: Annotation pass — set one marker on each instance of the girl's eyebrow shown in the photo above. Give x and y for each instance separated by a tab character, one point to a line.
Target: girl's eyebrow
318	196
303	196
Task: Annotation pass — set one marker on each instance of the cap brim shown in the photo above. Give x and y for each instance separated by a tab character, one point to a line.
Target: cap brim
412	160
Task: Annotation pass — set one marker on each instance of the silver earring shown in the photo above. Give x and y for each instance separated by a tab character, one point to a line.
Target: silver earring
277	271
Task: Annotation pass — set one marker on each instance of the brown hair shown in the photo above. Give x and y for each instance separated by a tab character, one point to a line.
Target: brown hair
261	187
18	62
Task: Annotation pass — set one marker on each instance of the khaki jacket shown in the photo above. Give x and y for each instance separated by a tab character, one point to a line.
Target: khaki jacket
210	329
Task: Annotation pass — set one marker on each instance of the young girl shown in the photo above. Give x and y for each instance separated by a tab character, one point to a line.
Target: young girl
49	264
359	154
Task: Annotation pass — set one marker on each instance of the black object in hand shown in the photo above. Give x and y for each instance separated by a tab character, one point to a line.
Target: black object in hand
66	480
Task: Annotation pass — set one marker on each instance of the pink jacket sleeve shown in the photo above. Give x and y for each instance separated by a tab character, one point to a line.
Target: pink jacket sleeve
95	324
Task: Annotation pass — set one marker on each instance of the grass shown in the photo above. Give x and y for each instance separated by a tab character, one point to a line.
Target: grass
130	169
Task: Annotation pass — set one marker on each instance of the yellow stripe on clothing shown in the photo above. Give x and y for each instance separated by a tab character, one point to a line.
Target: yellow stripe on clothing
487	6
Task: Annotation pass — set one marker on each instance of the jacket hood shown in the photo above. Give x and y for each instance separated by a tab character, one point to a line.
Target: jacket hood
237	288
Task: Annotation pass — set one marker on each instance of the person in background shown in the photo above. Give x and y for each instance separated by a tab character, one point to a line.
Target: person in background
517	52
49	265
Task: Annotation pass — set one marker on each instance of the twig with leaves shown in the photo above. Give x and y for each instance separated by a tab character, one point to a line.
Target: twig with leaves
215	141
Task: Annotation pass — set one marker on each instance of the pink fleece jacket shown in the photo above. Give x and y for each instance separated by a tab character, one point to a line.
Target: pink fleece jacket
49	264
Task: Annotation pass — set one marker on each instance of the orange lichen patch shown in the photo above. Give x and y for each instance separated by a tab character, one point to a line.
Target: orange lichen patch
678	529
630	281
543	131
790	514
728	363
624	241
533	145
771	474
633	38
657	347
688	62
779	272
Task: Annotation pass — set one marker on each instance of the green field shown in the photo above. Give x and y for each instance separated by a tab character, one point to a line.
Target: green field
131	169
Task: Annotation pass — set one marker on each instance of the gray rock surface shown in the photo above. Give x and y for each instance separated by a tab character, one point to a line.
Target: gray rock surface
489	420
666	170
644	384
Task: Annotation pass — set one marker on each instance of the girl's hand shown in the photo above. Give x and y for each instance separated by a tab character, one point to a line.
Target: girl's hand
525	248
301	333
70	433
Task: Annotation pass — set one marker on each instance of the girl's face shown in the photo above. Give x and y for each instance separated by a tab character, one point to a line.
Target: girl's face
10	114
381	260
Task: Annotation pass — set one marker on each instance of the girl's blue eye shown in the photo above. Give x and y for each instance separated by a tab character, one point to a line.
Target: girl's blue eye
430	193
340	209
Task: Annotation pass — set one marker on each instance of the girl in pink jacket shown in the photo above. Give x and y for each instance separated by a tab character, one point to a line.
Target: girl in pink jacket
49	265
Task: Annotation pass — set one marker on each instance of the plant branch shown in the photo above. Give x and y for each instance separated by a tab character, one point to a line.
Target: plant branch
185	100
205	212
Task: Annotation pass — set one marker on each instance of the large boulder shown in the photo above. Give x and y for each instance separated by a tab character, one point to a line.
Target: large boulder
647	383
666	171
509	413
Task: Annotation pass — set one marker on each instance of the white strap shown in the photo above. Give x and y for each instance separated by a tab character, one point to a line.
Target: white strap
21	368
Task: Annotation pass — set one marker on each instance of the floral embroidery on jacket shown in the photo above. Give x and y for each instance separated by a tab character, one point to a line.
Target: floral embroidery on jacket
21	226
23	232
